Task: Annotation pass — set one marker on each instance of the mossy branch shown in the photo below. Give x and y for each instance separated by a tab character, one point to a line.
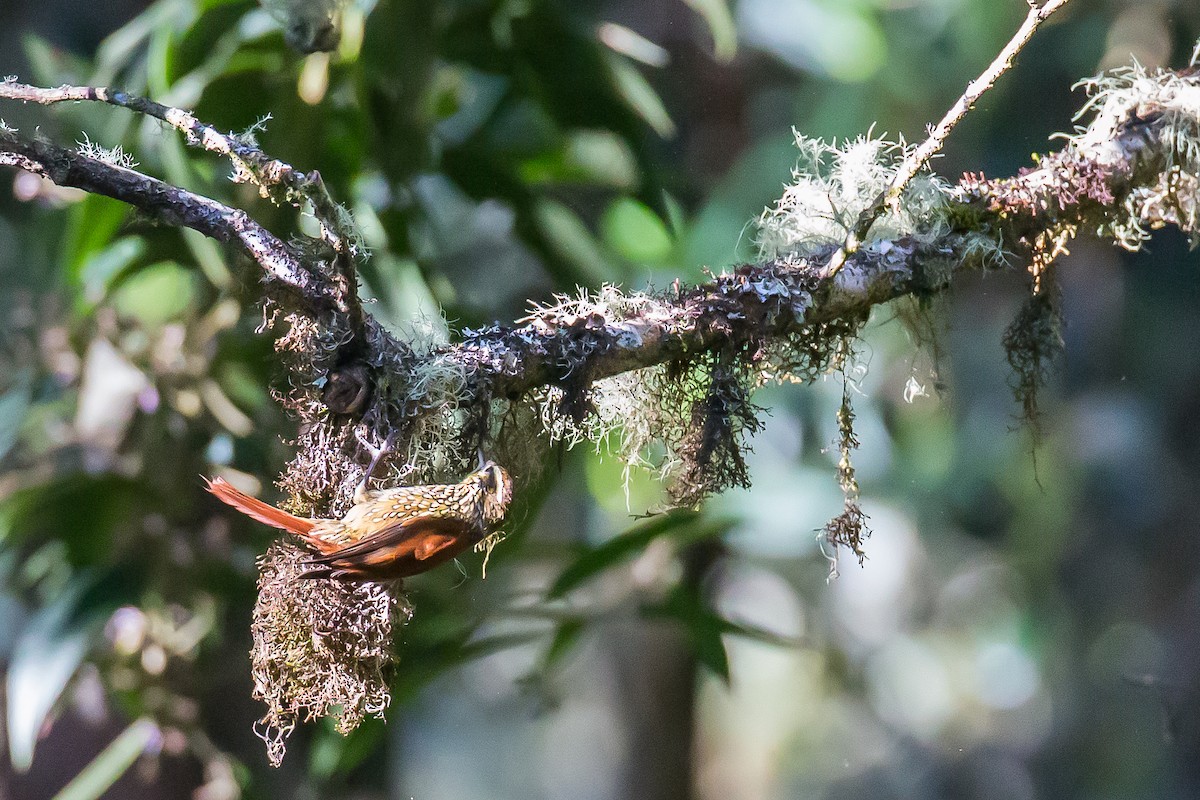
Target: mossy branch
1135	167
673	368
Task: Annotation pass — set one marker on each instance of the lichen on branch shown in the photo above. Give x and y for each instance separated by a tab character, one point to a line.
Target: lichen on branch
664	377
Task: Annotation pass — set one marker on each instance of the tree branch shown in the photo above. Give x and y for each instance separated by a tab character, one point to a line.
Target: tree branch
172	206
1088	186
275	179
1129	170
673	370
916	160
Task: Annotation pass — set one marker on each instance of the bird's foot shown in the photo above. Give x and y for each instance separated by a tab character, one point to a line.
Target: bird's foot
377	454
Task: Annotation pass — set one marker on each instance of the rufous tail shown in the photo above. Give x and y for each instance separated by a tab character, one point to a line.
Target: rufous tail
256	509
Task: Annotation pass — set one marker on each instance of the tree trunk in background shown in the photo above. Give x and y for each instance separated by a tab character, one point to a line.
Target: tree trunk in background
658	676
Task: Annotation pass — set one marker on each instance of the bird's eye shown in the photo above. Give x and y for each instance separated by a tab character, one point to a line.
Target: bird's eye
489	479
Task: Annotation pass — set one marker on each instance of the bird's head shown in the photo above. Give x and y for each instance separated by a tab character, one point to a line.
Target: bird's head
497	491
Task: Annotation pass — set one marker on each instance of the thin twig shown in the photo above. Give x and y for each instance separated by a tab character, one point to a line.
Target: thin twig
169	204
270	175
264	171
917	159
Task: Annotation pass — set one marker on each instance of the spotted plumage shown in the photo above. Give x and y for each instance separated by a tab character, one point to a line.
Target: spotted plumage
391	533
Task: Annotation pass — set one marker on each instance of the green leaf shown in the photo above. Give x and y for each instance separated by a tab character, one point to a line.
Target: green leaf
46	654
620	547
463	100
333	753
596	157
50	65
94	225
121	49
636	232
757	634
402	293
105	266
709	648
640	96
566	636
720	25
112	762
79	512
161	47
204	50
156	294
242	386
703	627
572	241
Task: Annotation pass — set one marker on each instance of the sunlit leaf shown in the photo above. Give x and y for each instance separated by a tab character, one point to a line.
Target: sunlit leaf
103	266
720	26
637	92
94	225
161	50
48	651
155	294
852	46
629	42
596	157
208	255
636	232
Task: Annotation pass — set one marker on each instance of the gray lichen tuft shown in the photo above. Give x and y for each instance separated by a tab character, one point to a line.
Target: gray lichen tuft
1156	117
832	185
690	419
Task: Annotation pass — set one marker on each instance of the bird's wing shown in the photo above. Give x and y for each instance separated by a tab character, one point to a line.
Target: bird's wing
405	548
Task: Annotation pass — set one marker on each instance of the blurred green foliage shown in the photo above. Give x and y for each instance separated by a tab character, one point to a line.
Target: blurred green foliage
495	152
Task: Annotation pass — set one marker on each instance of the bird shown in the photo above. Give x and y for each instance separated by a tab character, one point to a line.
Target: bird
390	534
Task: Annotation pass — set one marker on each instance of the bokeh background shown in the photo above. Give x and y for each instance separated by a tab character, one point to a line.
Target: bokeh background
1027	624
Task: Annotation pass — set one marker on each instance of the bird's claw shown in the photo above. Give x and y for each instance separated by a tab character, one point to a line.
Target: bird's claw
377	454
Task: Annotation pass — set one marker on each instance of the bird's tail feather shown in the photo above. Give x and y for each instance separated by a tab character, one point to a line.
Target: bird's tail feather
256	509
